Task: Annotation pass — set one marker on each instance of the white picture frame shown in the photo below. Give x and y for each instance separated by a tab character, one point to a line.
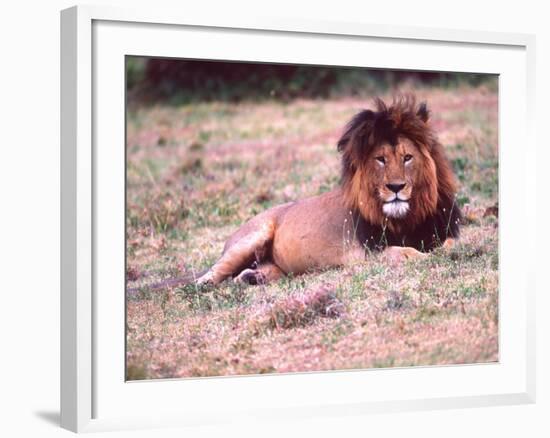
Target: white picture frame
92	330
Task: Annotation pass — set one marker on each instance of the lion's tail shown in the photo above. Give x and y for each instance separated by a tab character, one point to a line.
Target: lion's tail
168	283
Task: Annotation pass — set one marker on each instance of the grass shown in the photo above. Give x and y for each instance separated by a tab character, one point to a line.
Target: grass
195	172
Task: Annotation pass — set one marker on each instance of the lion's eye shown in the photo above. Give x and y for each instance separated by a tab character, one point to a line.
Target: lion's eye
381	159
407	158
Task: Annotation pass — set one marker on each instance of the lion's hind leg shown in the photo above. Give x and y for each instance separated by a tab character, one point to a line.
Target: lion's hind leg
240	253
265	273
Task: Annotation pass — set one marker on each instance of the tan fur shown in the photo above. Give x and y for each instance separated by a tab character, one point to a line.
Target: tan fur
320	232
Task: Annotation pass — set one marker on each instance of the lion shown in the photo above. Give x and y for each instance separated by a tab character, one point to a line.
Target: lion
397	196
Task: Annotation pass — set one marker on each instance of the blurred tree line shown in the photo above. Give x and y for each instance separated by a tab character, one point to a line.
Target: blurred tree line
177	81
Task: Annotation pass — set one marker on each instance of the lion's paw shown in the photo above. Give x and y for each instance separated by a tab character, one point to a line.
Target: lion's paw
249	276
207	278
398	254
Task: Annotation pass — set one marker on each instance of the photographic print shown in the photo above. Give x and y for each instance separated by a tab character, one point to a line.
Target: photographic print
298	218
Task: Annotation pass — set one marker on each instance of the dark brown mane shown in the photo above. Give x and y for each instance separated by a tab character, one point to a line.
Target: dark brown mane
433	204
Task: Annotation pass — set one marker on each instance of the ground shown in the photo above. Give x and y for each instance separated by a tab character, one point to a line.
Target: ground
195	172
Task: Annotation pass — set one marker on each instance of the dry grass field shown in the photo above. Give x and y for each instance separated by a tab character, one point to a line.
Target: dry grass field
195	172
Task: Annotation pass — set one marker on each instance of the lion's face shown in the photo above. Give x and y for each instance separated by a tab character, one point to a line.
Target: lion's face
393	168
394	171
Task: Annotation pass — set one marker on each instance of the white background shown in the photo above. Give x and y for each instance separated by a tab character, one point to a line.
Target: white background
29	217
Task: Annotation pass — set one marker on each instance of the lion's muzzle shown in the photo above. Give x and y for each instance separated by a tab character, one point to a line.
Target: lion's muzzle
396	208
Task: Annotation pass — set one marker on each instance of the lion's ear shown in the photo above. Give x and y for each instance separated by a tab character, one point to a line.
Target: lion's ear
423	113
357	131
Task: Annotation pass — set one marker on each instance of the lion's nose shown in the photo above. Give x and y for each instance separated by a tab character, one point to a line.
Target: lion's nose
395	187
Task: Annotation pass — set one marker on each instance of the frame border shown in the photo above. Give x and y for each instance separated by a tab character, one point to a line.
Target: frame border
77	215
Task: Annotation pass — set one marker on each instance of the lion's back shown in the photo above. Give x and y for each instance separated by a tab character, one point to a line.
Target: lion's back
273	214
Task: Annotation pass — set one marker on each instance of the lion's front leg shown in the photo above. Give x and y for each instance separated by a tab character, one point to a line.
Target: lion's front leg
398	254
449	243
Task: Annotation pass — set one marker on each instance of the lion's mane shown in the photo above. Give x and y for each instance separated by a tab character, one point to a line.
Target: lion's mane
434	215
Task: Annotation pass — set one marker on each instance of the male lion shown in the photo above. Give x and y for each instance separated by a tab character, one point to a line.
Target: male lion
397	195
